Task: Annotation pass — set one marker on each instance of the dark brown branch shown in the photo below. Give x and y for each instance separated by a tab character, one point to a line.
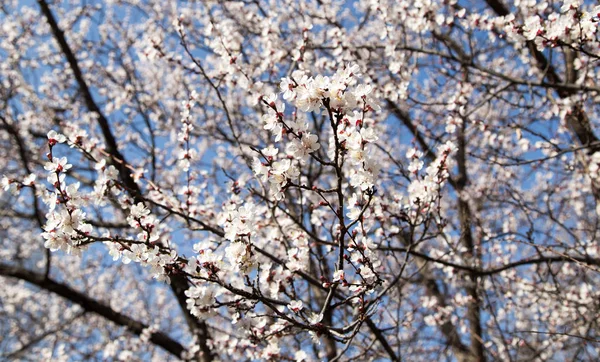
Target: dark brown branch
448	329
577	120
495	270
467	239
178	283
111	144
38	214
91	305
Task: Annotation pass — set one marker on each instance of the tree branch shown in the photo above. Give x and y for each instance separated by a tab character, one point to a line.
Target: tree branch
91	305
577	120
178	283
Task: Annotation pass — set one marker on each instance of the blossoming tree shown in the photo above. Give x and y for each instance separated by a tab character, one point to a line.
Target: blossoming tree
299	180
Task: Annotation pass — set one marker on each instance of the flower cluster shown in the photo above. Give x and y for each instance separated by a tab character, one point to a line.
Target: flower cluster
354	138
238	221
14	185
311	94
206	263
345	104
423	192
147	249
238	224
159	261
298	256
65	227
277	173
200	299
571	25
106	179
186	154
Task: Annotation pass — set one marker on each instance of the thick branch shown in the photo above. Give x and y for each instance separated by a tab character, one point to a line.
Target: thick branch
577	120
448	329
582	261
111	143
467	239
178	283
91	305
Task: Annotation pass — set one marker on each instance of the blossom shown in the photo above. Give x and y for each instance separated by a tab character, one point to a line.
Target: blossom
270	151
351	70
54	138
315	318
57	165
8	185
300	356
309	95
363	90
71	221
185	156
338	275
260	168
533	27
138	211
310	142
415	165
272	124
238	221
302	148
295	306
368	134
287	88
271	99
451	123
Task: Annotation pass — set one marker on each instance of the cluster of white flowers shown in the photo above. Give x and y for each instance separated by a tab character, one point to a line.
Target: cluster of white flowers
355	206
298	256
65	227
273	279
594	167
310	94
423	191
13	185
239	256
79	138
346	107
206	263
301	142
107	177
237	221
63	230
355	138
146	250
277	173
186	154
200	299
56	170
140	219
273	118
416	160
360	253
572	25
238	224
